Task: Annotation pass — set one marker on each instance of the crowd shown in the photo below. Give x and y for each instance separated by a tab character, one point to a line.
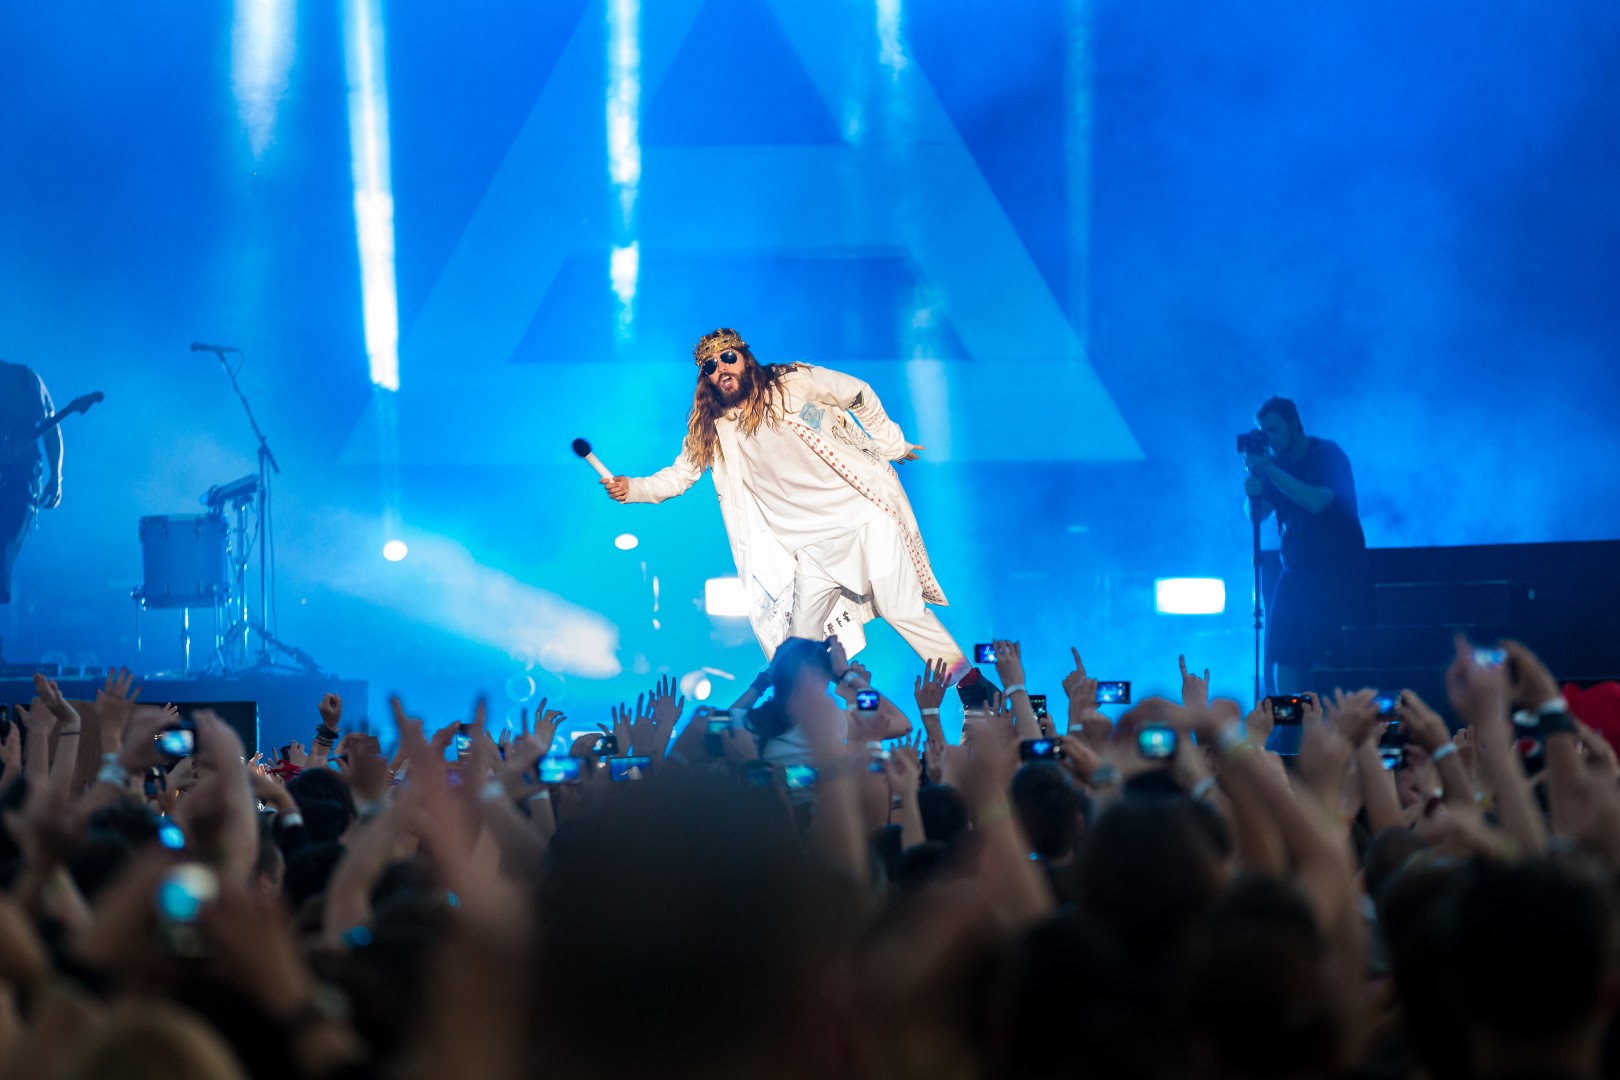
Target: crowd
817	882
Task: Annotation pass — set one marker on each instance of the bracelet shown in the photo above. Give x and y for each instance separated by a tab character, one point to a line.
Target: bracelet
1442	752
847	673
543	795
65	734
1231	740
113	773
325	736
930	712
1015	688
291	819
1203	787
491	791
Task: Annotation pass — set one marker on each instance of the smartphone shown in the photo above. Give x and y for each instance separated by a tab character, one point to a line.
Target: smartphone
1156	742
284	753
463	744
1038	703
984	654
1114	693
1387	704
877	760
1394	734
1527	741
156	780
179	741
1040	750
182	894
866	700
714	736
629	768
799	777
758	774
606	746
1490	657
1392	757
1287	708
559	769
170	835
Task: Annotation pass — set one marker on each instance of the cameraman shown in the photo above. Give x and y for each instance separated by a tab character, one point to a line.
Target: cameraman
1325	584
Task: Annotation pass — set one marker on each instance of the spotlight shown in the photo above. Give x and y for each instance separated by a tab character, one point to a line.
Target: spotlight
625	541
1189	596
395	550
724	597
696	685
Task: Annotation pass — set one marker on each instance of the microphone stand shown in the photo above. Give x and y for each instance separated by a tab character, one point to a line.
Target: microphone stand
1259	618
267	463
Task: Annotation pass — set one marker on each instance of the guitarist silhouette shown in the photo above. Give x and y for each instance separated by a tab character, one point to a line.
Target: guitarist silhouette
30	460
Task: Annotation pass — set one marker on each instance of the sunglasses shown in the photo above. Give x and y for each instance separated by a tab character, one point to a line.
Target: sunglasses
727	357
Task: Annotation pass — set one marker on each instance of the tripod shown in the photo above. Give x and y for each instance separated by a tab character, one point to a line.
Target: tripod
246	626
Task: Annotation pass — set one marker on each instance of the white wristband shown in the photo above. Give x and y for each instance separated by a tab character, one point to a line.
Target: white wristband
1442	752
492	791
1203	787
113	773
930	712
1015	688
290	819
543	795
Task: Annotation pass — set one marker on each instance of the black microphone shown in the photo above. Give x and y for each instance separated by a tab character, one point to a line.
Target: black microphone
197	346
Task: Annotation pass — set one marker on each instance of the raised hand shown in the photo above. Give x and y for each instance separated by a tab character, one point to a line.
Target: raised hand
1194	690
51	695
1422	724
331	708
837	659
929	689
114	702
1532	685
545	724
1258	724
1009	661
1354	715
667	704
1478	694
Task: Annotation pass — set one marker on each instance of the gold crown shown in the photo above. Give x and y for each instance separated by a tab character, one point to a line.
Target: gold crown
716	342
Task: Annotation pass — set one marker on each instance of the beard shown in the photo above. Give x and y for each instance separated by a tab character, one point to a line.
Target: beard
741	392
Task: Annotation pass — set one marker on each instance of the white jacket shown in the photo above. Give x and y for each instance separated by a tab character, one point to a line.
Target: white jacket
817	403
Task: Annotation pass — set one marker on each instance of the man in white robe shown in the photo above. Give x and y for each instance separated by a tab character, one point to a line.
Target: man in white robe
821	530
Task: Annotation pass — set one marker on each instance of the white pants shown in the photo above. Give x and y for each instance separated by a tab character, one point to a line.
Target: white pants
829	567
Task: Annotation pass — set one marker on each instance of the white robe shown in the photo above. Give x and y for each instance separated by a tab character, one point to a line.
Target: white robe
817	404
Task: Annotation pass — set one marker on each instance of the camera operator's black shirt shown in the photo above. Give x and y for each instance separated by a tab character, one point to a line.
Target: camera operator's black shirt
1333	536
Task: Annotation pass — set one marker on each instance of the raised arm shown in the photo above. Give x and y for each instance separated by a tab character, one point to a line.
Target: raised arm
664	484
856	396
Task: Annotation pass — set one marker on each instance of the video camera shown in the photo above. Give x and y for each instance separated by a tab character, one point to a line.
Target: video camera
1253	443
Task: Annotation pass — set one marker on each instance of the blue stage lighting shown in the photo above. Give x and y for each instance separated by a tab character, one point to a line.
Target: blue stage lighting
1189	596
395	550
626	541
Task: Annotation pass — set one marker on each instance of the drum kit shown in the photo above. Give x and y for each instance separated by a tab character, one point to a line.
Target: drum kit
200	562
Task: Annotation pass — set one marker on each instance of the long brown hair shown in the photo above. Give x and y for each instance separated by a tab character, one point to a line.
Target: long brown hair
763	405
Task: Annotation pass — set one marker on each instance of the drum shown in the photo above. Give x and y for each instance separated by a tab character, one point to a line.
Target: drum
184	561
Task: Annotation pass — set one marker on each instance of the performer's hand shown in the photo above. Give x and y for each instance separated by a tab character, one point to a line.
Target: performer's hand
1254	486
1259	464
911	452
52	497
618	488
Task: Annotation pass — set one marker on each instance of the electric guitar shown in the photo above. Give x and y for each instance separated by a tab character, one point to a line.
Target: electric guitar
10	450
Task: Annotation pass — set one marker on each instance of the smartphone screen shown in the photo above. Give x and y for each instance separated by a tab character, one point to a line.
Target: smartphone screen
628	768
1039	750
984	654
866	700
559	769
1287	708
799	777
1156	742
1114	693
1038	703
